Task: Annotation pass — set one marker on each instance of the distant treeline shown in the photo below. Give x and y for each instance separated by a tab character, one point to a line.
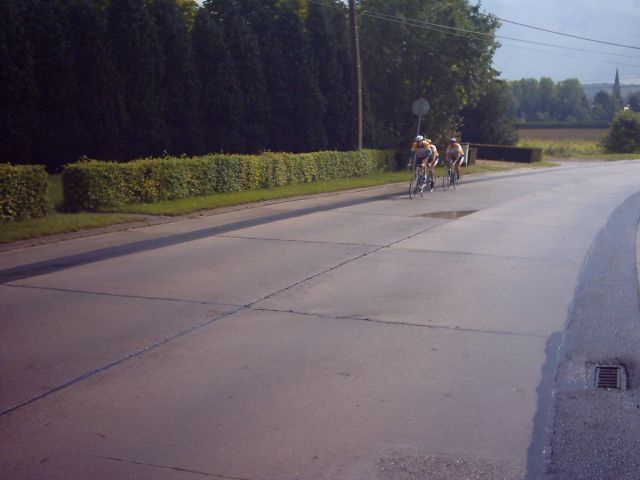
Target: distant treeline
544	100
124	79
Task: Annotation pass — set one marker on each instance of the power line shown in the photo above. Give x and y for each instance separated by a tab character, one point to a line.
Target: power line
469	34
572	56
560	33
555	32
466	32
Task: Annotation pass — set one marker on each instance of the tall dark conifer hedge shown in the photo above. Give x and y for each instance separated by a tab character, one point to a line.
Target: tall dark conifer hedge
123	79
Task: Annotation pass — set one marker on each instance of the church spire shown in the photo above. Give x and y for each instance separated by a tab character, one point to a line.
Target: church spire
616	87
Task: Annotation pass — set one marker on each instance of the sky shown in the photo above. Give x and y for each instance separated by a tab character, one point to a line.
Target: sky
615	21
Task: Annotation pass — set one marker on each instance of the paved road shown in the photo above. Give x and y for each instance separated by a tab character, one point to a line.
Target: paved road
353	336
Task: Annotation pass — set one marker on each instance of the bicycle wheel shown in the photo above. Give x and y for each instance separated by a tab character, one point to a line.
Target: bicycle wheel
445	181
452	179
421	183
412	185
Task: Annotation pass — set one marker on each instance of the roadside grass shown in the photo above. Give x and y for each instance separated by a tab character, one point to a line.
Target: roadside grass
217	200
57	222
576	149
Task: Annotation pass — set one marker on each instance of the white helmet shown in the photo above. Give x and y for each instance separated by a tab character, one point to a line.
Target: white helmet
452	140
419	138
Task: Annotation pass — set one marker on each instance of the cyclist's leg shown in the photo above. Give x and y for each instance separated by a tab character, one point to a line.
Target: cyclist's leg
423	171
431	175
457	163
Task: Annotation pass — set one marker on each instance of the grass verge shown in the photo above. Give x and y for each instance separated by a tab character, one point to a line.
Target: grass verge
217	200
57	223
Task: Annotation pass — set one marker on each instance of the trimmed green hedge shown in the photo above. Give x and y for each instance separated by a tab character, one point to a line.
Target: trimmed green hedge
91	184
508	154
23	191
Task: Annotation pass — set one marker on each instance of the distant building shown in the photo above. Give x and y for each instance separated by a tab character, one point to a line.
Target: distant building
616	87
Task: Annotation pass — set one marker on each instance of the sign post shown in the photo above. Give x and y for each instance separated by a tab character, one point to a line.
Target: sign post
420	107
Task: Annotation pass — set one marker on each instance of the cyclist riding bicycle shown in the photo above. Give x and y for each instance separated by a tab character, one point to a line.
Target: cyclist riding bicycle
432	161
422	156
454	155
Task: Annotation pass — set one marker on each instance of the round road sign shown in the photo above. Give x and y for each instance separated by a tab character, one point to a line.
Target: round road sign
421	107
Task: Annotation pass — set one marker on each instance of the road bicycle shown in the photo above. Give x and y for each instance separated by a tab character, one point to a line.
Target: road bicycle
421	181
449	179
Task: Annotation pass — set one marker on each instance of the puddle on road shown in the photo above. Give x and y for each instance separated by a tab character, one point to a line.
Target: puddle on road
448	215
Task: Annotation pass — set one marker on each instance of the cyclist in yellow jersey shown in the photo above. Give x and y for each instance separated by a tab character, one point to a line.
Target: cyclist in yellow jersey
432	161
454	155
420	151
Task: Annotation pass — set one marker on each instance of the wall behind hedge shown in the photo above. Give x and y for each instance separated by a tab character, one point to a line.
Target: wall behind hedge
23	191
508	154
89	185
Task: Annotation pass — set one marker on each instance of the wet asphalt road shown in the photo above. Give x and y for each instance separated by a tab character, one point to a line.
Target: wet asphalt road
353	336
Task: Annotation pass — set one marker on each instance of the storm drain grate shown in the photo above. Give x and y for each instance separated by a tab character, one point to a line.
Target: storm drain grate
609	377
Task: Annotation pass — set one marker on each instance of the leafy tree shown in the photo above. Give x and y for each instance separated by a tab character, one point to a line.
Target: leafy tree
99	88
220	97
572	105
525	102
188	10
178	81
138	56
603	107
634	101
238	19
624	134
403	61
17	85
297	105
58	134
331	61
487	120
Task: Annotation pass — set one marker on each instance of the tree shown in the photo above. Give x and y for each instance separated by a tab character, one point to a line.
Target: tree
99	88
177	85
624	134
331	63
546	99
403	61
238	20
573	105
58	132
297	105
17	85
487	120
220	97
634	101
603	107
525	101
137	54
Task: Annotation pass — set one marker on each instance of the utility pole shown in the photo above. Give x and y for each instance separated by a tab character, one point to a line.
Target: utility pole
356	76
